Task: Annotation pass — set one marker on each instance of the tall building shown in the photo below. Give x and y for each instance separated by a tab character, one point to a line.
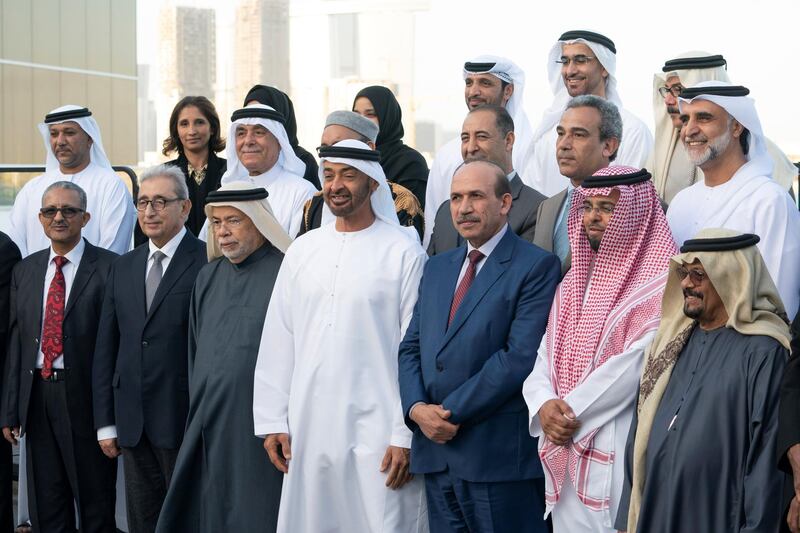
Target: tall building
261	45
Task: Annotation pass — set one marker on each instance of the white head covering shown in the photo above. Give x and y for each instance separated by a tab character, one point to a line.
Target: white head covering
88	124
507	71
381	199
607	58
253	203
743	109
287	159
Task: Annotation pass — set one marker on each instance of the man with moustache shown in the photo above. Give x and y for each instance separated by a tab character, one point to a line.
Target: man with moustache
722	135
488	134
581	63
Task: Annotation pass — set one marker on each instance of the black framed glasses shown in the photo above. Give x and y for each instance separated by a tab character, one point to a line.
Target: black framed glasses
675	90
159	204
66	212
579	59
602	210
696	276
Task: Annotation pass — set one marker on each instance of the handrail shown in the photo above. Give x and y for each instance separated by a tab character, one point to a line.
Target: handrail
40	168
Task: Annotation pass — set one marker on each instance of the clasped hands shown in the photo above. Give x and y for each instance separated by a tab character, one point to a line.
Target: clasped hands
432	419
558	421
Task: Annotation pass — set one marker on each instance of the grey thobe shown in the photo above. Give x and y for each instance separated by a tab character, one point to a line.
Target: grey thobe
223	480
711	452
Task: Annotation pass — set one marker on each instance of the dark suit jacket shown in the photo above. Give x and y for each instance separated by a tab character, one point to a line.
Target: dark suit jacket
476	366
81	316
140	363
789	418
521	218
9	256
546	226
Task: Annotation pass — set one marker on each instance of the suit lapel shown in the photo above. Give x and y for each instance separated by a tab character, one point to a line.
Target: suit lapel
447	287
177	266
515	216
85	270
39	277
547	224
496	264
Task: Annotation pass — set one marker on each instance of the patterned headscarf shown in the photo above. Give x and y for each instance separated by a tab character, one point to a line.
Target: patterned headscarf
608	300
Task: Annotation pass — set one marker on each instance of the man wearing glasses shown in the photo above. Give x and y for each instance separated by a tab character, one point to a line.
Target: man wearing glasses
581	392
581	62
75	154
56	297
140	382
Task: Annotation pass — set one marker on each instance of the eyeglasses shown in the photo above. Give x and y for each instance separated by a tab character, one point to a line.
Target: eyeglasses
159	204
675	90
66	212
603	209
696	276
579	59
230	223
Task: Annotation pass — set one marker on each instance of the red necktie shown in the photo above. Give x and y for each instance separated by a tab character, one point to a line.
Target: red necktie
52	335
474	256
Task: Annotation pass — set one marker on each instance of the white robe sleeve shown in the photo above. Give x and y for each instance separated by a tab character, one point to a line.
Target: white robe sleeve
117	217
438	188
537	388
18	228
304	193
608	390
401	435
637	142
275	363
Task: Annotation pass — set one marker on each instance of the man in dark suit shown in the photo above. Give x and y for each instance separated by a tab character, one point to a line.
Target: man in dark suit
488	133
56	298
589	134
472	341
9	256
789	429
141	396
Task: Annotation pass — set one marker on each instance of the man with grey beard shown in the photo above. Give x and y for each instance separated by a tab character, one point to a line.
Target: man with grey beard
722	135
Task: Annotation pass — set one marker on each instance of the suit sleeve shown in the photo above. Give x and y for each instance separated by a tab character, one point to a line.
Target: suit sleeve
412	388
105	357
9	256
789	418
504	372
9	410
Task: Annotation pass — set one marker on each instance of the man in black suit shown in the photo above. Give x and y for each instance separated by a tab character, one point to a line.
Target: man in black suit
789	429
488	134
9	256
55	304
141	396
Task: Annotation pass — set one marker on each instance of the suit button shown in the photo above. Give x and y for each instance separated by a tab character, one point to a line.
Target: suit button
439	367
66	337
144	344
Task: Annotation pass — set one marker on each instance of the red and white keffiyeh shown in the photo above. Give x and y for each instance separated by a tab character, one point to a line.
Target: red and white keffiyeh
608	300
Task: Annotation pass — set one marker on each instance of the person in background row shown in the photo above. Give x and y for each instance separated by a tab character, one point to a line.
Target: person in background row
56	300
9	256
342	125
722	135
280	102
194	132
701	452
582	63
75	154
401	163
488	134
139	372
222	479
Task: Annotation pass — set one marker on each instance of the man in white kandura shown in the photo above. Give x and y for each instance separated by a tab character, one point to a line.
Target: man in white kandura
326	395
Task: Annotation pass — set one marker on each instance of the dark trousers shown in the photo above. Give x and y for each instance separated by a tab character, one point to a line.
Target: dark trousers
65	470
457	505
6	479
148	471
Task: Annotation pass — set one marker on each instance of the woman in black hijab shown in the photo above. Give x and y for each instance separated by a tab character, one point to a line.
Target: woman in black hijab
280	102
401	164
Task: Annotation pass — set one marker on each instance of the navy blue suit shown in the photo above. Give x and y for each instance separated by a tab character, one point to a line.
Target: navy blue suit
475	368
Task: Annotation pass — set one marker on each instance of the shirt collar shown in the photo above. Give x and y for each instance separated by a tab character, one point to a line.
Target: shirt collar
489	246
169	248
73	256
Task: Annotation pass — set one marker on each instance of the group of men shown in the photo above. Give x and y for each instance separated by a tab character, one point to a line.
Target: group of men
585	342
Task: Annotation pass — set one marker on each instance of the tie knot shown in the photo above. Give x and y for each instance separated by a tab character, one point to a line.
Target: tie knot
158	256
475	256
60	261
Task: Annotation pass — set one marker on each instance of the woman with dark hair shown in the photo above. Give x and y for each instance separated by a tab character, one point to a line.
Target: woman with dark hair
401	164
280	102
194	132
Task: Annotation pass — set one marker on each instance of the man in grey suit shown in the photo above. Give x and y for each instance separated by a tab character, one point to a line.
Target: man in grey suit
488	134
589	134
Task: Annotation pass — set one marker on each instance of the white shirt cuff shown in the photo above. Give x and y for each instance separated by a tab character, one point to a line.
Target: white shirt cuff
106	432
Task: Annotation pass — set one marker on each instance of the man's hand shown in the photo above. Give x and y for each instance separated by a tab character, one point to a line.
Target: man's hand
432	420
110	448
395	460
793	518
558	421
279	450
11	434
